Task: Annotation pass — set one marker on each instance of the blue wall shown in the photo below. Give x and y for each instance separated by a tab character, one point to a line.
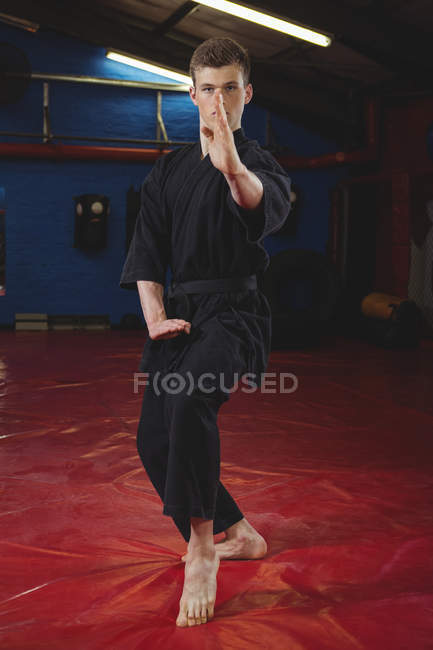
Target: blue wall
44	273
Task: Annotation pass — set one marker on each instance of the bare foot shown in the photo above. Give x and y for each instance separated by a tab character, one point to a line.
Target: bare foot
196	605
242	542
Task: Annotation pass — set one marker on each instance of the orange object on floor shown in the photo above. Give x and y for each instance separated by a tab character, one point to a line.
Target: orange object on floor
336	475
379	305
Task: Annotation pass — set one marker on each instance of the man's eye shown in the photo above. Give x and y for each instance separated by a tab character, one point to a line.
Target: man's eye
230	87
205	89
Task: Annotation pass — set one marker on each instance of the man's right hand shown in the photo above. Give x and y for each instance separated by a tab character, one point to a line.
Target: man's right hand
168	329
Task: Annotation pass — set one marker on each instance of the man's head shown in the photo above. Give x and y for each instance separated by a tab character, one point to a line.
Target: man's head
220	63
217	52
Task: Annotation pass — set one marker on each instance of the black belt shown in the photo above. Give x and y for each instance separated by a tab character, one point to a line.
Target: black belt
219	285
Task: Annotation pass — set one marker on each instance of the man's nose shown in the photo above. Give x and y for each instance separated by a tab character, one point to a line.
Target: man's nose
216	97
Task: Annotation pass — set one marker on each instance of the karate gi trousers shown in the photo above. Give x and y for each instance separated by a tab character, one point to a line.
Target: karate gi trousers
178	437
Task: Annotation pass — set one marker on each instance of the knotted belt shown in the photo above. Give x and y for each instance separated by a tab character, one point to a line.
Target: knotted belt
217	285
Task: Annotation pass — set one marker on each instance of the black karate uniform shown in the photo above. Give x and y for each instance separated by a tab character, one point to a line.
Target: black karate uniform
189	221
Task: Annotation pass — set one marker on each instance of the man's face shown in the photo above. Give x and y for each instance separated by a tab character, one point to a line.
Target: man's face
235	95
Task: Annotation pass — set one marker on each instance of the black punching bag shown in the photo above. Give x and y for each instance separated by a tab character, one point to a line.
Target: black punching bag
91	217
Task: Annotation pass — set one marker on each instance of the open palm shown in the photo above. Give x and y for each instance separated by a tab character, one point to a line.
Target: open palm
168	329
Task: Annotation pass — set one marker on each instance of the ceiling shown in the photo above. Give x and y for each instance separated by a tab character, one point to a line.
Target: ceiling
380	47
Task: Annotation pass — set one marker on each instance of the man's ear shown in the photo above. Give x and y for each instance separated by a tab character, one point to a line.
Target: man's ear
192	95
248	93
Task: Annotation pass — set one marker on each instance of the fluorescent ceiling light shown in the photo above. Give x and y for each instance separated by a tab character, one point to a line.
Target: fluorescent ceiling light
149	67
268	21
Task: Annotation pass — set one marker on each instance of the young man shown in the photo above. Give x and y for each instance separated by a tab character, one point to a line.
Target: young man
205	209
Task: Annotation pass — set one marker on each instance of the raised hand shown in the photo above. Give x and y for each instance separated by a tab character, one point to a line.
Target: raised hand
168	329
220	141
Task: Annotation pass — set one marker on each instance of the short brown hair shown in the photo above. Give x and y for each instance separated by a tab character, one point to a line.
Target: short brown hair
216	52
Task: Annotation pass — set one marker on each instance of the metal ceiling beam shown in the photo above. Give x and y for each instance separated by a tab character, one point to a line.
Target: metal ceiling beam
181	12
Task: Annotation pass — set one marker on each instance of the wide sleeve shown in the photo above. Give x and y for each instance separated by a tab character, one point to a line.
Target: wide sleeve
149	251
274	208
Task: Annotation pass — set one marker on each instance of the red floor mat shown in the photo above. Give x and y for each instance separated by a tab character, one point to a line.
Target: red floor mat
336	475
